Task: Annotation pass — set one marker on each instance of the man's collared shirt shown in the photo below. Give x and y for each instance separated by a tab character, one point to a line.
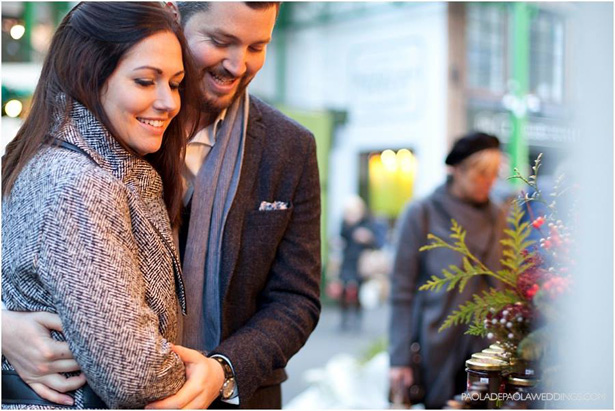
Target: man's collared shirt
197	150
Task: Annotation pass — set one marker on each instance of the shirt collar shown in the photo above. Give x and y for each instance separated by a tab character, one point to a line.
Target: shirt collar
207	134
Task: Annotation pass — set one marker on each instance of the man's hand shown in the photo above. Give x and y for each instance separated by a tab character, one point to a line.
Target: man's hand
204	379
37	358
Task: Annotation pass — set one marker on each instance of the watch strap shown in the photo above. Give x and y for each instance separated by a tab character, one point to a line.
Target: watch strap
228	376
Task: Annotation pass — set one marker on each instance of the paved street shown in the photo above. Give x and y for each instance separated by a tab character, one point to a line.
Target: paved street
328	340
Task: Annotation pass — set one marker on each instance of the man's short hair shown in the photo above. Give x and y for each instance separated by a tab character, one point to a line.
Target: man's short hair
187	9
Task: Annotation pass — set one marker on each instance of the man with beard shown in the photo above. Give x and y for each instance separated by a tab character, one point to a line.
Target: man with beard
250	236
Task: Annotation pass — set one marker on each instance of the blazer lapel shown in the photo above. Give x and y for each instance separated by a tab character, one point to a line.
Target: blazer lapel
244	197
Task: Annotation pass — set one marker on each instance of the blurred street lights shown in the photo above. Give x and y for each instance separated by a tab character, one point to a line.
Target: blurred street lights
13	108
17	31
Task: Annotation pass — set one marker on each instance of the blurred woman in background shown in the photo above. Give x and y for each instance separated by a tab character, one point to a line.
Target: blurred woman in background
428	363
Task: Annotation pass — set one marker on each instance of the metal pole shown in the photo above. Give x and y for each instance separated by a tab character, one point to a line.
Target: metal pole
60	9
517	146
28	17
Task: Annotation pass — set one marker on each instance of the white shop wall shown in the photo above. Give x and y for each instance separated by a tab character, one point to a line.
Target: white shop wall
389	73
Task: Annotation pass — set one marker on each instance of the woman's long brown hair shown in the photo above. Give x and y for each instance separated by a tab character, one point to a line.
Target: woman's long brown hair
85	50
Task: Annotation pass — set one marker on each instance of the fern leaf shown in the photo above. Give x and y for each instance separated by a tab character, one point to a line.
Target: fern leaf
515	240
477	328
507	276
524	245
436	283
461	316
510	264
468	272
508	253
493	298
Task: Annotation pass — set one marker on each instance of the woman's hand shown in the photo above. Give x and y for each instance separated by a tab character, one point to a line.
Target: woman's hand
401	377
204	379
38	358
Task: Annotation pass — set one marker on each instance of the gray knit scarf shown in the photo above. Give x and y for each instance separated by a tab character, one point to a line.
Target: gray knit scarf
214	189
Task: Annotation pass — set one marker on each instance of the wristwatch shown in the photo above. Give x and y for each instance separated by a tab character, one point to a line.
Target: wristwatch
229	387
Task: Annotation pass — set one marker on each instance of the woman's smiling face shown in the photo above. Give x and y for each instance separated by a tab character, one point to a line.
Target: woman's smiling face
141	96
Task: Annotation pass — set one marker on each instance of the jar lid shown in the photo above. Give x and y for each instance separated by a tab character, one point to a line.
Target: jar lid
486	356
523	382
496	347
483	364
501	354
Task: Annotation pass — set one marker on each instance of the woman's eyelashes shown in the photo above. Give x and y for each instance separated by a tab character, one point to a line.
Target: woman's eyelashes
173	85
144	82
176	85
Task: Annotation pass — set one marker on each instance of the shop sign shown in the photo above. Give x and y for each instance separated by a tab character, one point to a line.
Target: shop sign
538	131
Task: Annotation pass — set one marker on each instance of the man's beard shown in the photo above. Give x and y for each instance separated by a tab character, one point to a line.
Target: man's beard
212	106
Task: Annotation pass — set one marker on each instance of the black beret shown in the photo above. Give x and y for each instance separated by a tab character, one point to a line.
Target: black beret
470	144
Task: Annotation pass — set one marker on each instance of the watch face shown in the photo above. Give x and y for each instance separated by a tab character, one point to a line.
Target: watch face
228	388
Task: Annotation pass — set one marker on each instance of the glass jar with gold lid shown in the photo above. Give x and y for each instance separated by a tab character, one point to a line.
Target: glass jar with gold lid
521	391
489	371
523	369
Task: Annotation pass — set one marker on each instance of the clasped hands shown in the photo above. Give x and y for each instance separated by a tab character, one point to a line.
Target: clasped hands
39	360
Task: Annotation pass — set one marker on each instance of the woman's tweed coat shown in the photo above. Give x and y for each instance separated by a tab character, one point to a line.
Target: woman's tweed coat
89	238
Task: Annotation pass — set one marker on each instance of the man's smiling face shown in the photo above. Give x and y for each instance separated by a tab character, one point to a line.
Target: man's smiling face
229	43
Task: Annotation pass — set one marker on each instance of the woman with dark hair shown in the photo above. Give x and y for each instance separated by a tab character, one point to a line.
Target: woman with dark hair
91	188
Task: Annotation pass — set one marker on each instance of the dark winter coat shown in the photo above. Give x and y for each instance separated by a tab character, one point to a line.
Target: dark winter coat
417	315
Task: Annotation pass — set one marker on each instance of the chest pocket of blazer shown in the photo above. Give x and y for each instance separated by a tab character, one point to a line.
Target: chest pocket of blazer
266	226
262	233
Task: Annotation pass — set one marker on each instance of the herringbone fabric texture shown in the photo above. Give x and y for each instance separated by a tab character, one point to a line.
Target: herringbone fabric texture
90	239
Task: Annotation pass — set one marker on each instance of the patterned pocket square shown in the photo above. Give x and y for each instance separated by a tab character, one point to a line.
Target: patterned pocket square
276	205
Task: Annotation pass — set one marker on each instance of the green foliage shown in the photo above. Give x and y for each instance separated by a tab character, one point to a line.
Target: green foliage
536	194
514	262
477	328
453	277
463	315
514	243
532	180
478	307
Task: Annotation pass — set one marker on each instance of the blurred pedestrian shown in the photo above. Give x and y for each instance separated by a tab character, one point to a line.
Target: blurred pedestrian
359	235
437	359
